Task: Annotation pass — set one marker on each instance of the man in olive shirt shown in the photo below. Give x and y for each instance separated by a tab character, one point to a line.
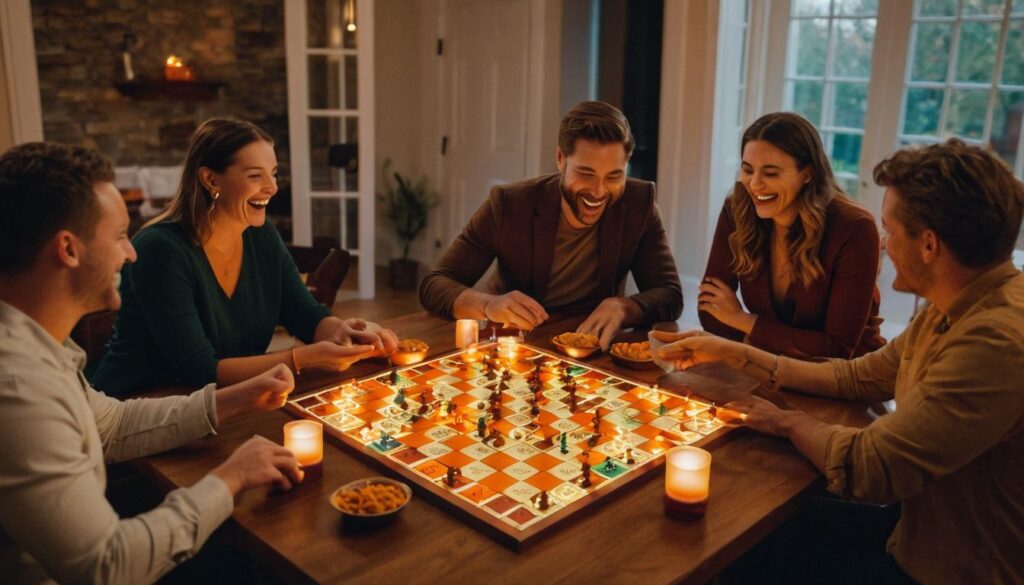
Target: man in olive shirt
63	240
952	453
565	242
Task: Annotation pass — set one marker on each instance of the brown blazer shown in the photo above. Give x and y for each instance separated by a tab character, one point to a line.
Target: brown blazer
837	316
518	225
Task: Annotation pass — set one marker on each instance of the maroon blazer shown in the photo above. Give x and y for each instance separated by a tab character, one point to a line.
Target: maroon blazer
836	316
518	225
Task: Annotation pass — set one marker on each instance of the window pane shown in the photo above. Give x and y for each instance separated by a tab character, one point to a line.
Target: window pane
849	104
849	184
923	109
807	99
324	133
1013	57
845	153
936	7
351	224
810	37
854	40
976	58
323	82
966	116
1017	7
1006	125
810	7
862	7
326	217
326	23
351	83
983	7
931	51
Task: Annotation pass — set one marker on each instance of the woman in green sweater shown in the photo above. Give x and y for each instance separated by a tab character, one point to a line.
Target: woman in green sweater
213	279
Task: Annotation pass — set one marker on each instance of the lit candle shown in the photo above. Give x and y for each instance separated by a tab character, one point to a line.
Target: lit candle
687	474
467	332
176	70
507	346
472	354
305	439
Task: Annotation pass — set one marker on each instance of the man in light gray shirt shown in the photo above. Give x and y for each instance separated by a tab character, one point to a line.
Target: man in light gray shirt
63	240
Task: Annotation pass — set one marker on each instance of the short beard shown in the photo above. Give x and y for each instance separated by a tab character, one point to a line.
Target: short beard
568	197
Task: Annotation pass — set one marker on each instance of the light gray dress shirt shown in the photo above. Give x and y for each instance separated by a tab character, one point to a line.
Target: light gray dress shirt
56	432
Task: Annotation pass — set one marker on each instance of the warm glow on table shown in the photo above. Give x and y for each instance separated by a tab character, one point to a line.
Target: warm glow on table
305	438
687	473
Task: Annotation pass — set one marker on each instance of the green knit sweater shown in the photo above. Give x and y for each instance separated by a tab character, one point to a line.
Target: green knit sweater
176	322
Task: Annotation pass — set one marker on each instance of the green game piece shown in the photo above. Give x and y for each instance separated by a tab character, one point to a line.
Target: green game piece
565	444
481	427
400	397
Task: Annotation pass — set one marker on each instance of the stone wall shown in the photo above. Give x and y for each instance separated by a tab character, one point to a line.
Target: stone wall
78	47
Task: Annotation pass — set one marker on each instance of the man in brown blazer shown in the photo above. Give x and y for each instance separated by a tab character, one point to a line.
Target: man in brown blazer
564	242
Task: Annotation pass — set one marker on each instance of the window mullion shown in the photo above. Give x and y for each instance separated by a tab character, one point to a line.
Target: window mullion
993	95
954	49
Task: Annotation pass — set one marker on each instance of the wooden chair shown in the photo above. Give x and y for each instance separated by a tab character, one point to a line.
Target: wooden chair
326	269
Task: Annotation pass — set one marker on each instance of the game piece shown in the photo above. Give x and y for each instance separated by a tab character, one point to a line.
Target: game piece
630	459
394	375
534	407
573	407
423	409
496	411
481	427
609	465
506	375
597	421
451	407
585	472
564	448
451	476
540	500
592	441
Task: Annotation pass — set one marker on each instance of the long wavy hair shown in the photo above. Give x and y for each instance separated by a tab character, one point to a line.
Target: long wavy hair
795	136
214	146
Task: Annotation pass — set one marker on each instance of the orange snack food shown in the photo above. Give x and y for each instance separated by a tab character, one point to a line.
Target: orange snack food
640	351
577	339
373	498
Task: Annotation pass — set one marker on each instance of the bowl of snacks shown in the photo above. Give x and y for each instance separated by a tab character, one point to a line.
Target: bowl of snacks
635	356
576	345
372	501
410	351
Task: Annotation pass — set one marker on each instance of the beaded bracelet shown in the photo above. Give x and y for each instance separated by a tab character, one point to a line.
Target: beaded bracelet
295	362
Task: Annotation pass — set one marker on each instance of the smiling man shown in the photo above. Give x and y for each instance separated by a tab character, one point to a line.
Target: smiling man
951	453
565	242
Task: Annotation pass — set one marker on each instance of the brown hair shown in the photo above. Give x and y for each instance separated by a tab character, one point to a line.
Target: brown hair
44	188
597	121
965	194
798	138
214	146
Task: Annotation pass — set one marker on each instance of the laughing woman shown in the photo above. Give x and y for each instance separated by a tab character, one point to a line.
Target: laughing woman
805	257
213	279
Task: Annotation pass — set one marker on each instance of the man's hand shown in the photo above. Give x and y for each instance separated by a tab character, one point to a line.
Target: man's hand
259	462
697	347
608	318
266	391
328	355
356	332
515	309
720	301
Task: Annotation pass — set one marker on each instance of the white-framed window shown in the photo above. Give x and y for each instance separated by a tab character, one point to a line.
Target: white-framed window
828	67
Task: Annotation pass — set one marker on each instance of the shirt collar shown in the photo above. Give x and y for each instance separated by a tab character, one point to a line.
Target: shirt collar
978	289
30	338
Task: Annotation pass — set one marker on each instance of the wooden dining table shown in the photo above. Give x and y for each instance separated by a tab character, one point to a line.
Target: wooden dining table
757	482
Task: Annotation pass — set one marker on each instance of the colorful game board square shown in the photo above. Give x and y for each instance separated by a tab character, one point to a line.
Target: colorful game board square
501	504
543	461
459	442
499	460
687	437
664	423
615	471
517	406
376	405
614	404
566	471
446	391
371	416
477	493
464	400
476	470
646	431
432	469
520	391
567	493
582	418
503	426
656	447
520	470
703	425
673	402
440	433
545	417
571	452
435	450
309	402
644	417
498	481
478	450
432	375
454	459
415	439
522	492
555	395
544	481
462	385
408	456
608	392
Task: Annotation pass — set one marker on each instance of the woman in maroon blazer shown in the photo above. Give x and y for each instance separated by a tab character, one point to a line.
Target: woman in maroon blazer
804	256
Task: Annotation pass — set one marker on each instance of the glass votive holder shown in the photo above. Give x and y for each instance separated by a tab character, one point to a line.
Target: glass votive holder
305	439
668	365
467	332
687	478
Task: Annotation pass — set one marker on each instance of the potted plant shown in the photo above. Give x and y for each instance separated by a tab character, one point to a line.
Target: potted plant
407	205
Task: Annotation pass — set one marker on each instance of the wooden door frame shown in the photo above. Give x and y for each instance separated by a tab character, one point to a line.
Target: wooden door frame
21	76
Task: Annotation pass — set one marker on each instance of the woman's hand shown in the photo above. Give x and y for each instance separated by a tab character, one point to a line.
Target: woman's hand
349	332
719	300
692	348
328	355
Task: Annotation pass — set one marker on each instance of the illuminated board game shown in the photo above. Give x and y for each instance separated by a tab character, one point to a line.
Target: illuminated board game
513	441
